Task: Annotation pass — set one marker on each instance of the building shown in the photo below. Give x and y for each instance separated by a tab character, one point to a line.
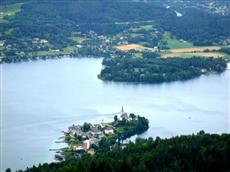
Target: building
2	43
56	50
124	115
109	131
86	144
43	41
77	148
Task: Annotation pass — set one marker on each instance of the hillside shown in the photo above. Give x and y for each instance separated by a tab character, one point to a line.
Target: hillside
57	22
201	153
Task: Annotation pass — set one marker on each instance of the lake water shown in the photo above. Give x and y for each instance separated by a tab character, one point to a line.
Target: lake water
42	98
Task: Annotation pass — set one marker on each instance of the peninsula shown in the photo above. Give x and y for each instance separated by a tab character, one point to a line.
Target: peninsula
150	70
92	138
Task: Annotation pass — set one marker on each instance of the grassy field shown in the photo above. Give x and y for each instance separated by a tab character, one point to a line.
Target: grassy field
9	10
78	39
46	53
137	55
197	54
134	35
66	51
195	49
174	43
146	27
69	49
202	51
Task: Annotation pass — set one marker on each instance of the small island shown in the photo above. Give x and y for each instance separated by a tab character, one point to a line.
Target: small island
92	138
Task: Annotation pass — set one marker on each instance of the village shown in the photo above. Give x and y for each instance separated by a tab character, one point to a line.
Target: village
90	138
80	138
80	44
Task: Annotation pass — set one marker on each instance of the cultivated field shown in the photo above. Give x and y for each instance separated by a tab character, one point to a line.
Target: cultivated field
197	54
133	47
194	49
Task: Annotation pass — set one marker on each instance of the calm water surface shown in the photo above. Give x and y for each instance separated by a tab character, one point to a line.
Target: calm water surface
42	98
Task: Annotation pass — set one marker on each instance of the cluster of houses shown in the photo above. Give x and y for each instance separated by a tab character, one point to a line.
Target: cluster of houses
217	8
94	134
40	41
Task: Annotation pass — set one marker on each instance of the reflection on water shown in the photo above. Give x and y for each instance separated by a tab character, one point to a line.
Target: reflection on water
42	98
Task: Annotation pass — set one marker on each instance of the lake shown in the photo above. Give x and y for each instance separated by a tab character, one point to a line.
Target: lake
42	98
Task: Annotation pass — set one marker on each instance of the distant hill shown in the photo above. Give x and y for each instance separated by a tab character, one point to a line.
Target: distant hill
56	21
46	16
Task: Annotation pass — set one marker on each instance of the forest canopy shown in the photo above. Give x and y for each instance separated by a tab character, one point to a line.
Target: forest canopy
201	152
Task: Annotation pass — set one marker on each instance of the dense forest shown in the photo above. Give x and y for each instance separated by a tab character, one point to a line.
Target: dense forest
197	26
201	153
158	70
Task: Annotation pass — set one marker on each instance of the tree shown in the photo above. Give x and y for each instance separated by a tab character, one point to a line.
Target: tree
8	170
132	116
115	118
86	127
140	168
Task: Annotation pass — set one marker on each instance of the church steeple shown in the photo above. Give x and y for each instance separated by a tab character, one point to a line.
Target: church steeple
122	110
124	115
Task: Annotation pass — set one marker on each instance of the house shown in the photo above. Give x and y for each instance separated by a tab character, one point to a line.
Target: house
56	50
43	41
77	148
95	140
86	144
79	46
109	131
2	43
98	134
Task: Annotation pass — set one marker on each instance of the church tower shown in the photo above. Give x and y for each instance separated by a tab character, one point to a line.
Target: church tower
122	110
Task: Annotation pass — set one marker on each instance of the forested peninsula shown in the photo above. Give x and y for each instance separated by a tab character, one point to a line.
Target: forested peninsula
150	70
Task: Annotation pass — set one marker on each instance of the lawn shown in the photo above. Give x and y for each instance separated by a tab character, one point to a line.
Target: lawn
66	51
78	39
46	53
174	43
146	27
137	55
69	49
134	35
9	31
